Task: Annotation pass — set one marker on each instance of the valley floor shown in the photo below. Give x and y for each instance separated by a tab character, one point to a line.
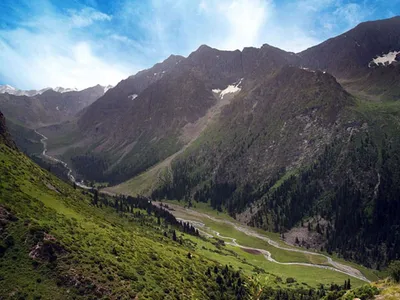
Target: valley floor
266	250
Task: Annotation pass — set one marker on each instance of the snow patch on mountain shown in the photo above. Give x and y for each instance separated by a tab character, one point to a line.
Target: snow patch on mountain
230	89
17	92
132	97
385	59
60	89
307	69
106	88
7	89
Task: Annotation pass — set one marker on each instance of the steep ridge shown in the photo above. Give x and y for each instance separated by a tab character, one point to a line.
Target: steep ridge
134	126
349	57
280	124
349	54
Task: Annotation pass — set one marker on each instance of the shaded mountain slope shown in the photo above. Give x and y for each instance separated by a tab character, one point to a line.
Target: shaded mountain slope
349	57
349	54
47	108
280	125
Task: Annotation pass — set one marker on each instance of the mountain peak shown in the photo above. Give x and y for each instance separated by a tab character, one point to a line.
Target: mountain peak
204	47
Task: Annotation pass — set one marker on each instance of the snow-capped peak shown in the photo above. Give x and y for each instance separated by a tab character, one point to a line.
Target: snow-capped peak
6	88
60	89
106	88
30	93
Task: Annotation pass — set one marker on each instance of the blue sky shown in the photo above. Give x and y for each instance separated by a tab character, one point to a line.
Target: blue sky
79	43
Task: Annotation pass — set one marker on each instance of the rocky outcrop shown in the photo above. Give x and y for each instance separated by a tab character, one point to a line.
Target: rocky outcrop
46	249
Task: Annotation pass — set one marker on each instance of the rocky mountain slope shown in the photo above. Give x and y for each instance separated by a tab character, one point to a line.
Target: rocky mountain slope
350	54
141	121
364	59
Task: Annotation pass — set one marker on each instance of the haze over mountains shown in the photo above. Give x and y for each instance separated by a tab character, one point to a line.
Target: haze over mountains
274	138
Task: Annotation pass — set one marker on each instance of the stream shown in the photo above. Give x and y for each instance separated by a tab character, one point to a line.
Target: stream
52	158
209	232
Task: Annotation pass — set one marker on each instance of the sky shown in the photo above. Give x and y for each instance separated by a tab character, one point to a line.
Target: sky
81	43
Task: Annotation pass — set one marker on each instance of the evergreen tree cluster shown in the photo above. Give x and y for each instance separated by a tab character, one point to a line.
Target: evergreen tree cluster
230	282
129	204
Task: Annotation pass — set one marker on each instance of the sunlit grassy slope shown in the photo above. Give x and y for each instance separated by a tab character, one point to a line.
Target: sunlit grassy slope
57	245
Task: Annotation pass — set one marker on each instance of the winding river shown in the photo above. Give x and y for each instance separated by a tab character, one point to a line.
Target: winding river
52	158
209	232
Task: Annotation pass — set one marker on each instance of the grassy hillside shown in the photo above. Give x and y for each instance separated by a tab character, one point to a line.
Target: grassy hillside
63	246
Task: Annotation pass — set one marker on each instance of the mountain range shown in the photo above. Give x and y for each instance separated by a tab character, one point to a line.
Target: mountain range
17	92
274	138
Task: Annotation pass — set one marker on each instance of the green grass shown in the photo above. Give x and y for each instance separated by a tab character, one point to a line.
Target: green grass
138	185
278	254
118	254
310	275
250	241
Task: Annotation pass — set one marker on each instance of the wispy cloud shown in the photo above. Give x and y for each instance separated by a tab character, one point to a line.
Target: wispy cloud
87	16
242	21
49	51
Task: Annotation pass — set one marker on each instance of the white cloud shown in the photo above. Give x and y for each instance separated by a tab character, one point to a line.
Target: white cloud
351	13
48	52
244	19
87	16
181	26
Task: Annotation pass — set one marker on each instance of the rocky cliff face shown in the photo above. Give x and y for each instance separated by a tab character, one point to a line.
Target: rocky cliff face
5	137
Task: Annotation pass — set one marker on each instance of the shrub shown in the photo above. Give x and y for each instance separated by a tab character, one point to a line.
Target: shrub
290	280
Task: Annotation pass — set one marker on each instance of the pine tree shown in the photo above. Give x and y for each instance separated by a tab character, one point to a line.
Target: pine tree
174	236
